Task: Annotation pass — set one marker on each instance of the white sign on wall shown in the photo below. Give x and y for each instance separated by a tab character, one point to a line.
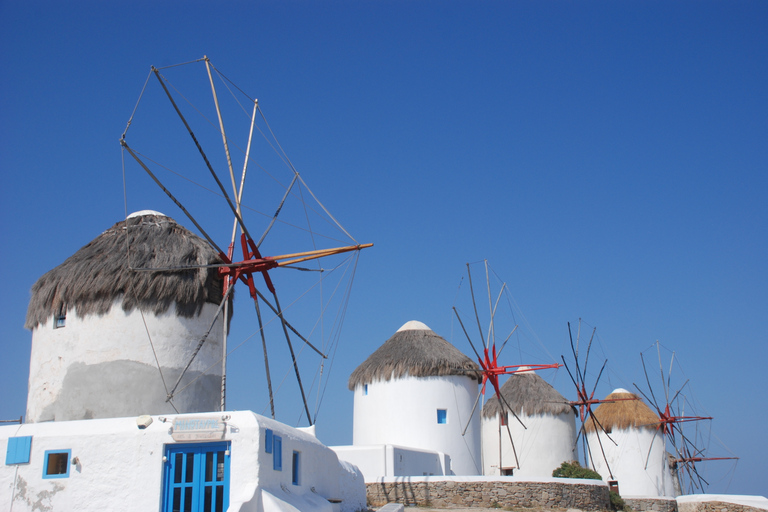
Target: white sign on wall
198	429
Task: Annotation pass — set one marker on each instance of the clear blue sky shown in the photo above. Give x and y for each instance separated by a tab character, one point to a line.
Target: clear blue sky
607	158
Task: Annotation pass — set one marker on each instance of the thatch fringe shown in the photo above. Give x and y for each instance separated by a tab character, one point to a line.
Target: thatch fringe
92	279
418	353
527	393
623	414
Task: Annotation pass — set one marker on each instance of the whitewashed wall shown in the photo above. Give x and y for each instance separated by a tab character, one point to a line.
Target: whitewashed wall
627	459
403	412
120	464
547	442
376	461
104	367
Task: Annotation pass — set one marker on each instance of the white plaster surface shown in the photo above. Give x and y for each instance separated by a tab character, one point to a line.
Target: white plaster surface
403	412
387	460
352	489
627	459
547	442
120	464
92	343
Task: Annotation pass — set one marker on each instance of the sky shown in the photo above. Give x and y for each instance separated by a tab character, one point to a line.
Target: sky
607	159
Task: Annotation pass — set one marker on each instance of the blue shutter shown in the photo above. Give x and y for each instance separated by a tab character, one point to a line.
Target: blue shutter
295	468
277	453
268	440
18	450
442	416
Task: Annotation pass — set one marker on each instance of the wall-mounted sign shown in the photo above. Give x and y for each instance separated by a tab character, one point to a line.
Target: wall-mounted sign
198	429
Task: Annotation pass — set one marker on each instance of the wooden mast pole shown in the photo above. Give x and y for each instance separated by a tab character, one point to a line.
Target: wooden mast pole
238	196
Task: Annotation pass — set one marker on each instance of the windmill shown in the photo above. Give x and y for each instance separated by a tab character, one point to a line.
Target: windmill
687	446
586	399
185	140
489	358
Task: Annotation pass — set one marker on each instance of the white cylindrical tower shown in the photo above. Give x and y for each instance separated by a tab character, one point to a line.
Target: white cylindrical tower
638	459
548	438
110	336
416	391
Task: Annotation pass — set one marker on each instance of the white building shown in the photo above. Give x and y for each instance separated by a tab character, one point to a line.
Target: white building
212	462
110	339
637	457
413	400
547	439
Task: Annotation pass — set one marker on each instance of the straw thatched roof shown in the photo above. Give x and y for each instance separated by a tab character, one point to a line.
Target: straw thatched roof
623	414
95	276
527	393
414	350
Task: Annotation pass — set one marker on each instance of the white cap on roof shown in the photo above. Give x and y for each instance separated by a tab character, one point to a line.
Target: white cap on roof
414	325
145	212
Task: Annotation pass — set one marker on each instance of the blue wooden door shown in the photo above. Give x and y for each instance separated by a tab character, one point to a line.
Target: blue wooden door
196	478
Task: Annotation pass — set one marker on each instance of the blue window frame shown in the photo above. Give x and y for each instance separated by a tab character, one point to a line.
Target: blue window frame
18	450
196	478
295	468
56	463
277	453
442	416
268	440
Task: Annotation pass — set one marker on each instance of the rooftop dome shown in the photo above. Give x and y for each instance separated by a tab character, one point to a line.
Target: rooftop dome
413	350
628	411
111	267
527	393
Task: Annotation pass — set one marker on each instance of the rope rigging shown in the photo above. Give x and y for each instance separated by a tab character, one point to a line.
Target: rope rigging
232	270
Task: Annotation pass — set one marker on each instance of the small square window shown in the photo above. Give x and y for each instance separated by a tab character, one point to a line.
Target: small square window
18	450
268	440
295	468
59	321
56	464
442	416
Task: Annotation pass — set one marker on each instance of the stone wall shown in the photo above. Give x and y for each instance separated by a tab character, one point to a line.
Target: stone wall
716	506
651	504
455	493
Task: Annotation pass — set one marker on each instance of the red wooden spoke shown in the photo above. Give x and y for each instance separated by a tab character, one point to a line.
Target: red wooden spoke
492	370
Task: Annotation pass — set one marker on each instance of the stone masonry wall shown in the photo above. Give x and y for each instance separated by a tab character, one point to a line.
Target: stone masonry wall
717	506
459	494
652	504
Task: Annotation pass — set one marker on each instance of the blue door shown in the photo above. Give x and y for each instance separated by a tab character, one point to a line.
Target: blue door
196	478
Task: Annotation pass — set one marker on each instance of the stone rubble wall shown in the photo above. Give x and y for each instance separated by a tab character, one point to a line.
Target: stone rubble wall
716	506
464	494
651	504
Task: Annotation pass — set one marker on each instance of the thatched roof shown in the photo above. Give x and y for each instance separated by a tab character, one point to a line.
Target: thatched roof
623	414
95	276
414	350
527	393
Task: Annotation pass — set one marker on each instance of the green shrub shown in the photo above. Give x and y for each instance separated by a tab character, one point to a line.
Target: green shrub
617	503
574	470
